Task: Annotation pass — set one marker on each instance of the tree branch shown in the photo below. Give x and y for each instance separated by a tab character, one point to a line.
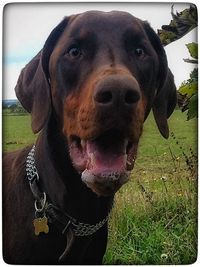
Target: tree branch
180	25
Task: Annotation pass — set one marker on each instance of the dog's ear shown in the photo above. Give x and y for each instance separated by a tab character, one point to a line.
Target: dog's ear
164	104
165	96
33	86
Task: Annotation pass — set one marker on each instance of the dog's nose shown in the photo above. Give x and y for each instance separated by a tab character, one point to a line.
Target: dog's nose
117	90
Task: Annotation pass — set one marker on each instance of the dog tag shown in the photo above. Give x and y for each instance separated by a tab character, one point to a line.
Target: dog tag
41	225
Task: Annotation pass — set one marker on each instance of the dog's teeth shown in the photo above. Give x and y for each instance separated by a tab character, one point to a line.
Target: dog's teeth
125	145
83	143
126	142
128	162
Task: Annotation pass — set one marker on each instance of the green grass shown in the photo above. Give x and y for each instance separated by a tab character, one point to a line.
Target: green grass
16	132
154	219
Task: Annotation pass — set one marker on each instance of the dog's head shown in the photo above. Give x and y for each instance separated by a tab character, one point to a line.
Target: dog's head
100	73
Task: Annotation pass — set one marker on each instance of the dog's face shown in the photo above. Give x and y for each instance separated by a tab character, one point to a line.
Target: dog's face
106	71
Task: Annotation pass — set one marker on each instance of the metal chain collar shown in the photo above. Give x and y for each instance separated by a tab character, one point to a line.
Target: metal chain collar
80	229
84	229
31	170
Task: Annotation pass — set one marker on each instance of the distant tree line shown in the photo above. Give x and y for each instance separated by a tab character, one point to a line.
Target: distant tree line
13	108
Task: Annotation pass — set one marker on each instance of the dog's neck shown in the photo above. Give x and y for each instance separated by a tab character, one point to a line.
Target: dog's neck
61	181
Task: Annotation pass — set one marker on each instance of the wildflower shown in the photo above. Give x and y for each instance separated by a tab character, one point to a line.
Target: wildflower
164	178
164	256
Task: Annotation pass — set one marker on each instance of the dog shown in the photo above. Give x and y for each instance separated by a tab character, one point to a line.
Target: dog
89	91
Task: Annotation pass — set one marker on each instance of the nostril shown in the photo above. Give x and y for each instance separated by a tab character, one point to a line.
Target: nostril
104	97
131	97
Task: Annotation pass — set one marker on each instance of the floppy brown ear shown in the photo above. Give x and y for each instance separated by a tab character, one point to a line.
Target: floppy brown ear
164	104
33	86
165	97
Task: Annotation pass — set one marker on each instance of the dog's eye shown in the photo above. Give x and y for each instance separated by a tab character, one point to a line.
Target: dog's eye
74	52
139	52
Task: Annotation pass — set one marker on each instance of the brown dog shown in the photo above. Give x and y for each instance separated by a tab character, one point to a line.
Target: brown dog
89	91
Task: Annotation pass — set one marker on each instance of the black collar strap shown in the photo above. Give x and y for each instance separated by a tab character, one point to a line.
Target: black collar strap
54	215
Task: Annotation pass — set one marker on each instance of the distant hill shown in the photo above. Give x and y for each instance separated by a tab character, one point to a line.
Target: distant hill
12	106
9	102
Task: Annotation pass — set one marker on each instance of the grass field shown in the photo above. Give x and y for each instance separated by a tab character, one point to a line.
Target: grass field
154	219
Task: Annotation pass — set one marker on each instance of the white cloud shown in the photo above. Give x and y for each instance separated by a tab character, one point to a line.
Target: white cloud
10	77
178	51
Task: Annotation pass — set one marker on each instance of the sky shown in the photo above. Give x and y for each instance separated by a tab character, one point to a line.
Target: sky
27	26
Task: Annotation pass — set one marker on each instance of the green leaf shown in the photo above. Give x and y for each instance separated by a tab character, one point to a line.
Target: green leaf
193	107
194	75
188	89
181	23
193	49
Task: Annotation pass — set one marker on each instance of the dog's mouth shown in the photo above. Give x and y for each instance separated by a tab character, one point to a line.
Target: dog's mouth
105	161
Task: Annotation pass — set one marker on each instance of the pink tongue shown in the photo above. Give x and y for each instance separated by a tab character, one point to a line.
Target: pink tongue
105	160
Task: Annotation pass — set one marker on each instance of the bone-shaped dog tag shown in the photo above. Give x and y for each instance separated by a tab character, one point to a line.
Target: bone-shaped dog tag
41	225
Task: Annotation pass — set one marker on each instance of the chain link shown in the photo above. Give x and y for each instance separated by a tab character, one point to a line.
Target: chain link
31	170
80	229
84	229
